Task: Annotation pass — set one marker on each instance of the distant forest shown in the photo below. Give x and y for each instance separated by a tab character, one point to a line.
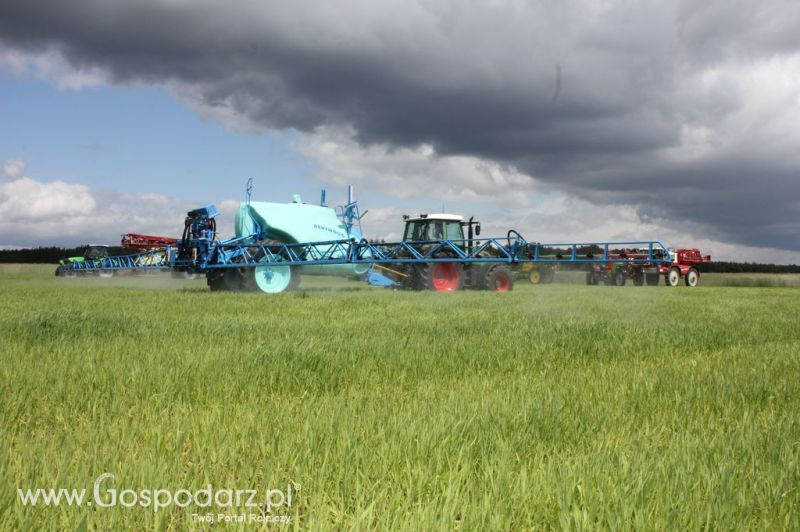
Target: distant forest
51	255
46	255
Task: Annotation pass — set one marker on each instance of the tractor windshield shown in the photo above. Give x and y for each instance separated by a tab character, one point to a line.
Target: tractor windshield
424	230
95	252
433	230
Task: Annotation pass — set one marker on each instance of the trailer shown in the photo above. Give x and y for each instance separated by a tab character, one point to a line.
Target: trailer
685	264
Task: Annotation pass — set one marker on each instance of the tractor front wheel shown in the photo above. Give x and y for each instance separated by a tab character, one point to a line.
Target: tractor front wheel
535	276
651	279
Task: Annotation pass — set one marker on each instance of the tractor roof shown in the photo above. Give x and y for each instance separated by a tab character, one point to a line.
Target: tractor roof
435	216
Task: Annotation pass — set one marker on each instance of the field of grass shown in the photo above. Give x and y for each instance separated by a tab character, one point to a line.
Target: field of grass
555	406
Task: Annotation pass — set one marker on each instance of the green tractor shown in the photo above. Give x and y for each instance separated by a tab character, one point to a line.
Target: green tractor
447	276
92	252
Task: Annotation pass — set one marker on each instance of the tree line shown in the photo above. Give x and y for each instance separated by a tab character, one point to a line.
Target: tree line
46	255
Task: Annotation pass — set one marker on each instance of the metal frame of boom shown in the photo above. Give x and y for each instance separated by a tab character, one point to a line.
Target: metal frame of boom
200	255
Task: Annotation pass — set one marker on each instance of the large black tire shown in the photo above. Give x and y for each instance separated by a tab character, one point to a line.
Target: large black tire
619	278
651	279
439	276
638	278
499	279
215	281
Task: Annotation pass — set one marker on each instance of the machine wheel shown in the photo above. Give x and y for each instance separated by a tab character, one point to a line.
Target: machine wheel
215	281
592	278
270	279
673	277
232	280
692	277
535	276
651	279
440	276
499	279
638	278
548	276
620	278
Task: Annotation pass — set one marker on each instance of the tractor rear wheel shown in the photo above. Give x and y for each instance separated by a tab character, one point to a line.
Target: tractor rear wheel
535	276
499	279
651	279
638	278
692	277
673	277
440	276
620	278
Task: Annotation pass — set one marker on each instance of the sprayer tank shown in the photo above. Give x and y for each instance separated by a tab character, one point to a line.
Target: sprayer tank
298	222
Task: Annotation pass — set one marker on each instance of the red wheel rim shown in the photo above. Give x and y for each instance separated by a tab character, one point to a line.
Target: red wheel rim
501	283
445	276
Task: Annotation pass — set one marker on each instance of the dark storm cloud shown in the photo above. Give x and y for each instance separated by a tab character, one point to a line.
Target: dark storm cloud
649	103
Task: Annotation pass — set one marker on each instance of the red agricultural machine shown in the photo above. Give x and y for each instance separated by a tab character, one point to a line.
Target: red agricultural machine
684	265
146	242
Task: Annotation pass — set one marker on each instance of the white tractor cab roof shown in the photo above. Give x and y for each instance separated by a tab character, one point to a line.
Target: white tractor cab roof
435	216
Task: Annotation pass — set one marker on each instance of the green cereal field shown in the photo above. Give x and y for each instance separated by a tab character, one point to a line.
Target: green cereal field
341	406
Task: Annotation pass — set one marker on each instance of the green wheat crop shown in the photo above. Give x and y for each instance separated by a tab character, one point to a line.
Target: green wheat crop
554	406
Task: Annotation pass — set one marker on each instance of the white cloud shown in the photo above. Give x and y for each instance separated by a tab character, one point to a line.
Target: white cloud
51	66
417	172
35	212
14	169
26	200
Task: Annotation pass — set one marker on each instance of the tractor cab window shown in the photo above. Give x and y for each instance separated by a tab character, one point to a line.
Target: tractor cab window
454	231
415	230
424	230
95	252
435	230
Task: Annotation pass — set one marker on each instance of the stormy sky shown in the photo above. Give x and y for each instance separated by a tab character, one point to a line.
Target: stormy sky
686	112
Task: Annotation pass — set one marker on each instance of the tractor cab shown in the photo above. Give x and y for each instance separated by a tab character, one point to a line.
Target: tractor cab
426	227
95	252
90	252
